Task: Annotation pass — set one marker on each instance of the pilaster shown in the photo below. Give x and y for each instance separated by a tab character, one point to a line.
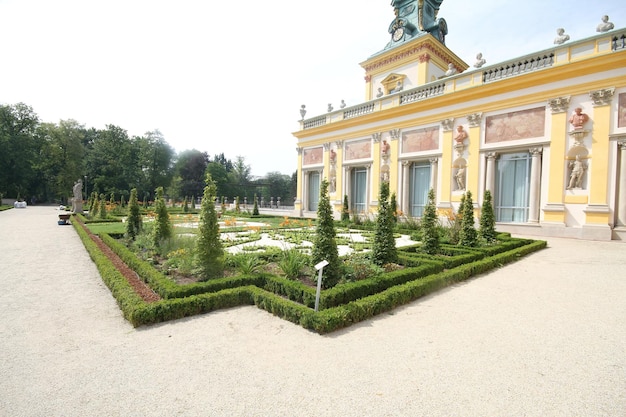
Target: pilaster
597	211
394	180
376	137
473	157
445	188
554	210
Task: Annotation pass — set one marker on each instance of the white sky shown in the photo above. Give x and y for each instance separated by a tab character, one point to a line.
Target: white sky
223	76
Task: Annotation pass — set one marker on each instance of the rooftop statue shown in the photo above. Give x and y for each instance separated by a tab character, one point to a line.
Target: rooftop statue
480	61
605	26
561	37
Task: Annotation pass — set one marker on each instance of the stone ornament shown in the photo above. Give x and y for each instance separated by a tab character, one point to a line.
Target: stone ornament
576	175
602	97
559	104
480	61
561	37
605	26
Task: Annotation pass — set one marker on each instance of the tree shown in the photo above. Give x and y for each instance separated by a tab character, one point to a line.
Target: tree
240	177
162	228
468	235
345	211
384	247
325	244
18	149
276	185
255	210
61	158
113	161
191	168
487	230
209	253
102	213
133	223
155	160
430	235
393	205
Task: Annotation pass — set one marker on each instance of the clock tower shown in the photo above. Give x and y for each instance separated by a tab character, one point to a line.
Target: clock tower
415	18
416	53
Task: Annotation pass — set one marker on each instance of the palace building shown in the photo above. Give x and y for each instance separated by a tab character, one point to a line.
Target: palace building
545	133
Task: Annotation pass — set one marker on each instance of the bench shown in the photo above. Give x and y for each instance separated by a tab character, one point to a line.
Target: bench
64	218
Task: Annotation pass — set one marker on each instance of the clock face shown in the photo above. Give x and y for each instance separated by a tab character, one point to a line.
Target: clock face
398	33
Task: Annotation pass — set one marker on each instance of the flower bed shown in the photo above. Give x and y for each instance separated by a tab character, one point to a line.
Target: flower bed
340	306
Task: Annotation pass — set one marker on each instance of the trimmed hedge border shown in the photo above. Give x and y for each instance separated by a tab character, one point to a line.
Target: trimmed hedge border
340	306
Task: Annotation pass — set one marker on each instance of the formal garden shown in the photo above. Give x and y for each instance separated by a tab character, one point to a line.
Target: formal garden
167	262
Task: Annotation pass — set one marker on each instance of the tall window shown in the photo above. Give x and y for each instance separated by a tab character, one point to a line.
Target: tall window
512	187
419	187
313	190
358	190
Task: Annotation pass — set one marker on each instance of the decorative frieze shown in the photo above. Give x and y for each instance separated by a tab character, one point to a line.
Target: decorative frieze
559	104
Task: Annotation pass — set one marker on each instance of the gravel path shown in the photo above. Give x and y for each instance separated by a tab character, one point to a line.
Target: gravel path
545	336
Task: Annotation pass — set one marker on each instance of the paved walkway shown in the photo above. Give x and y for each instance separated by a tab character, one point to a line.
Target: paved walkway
545	336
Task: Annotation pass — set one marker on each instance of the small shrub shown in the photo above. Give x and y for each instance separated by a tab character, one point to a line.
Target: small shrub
384	247
468	235
430	233
162	228
358	266
245	263
487	229
209	250
292	262
133	223
325	245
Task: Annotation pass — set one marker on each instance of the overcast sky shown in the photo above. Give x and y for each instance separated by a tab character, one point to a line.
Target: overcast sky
222	76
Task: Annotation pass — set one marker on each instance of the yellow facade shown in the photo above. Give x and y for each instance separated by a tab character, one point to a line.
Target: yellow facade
547	175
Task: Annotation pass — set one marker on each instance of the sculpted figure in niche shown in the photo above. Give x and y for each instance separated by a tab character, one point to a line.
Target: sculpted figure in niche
380	92
561	37
579	118
480	61
605	26
460	178
461	135
576	176
333	156
385	148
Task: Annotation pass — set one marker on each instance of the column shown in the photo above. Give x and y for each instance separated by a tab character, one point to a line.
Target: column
535	185
406	165
554	210
490	180
346	185
433	174
305	192
621	191
299	186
